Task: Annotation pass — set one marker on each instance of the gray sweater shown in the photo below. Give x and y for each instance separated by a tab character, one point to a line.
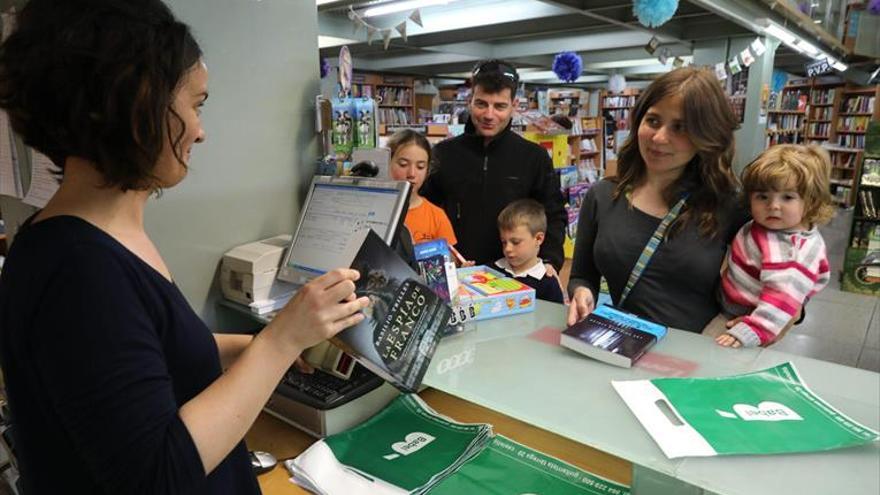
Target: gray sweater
679	286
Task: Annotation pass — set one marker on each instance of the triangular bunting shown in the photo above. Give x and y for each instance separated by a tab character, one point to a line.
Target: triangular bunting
386	37
416	17
401	28
371	31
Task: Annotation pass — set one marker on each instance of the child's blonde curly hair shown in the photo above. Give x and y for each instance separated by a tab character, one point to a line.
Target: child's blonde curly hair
804	168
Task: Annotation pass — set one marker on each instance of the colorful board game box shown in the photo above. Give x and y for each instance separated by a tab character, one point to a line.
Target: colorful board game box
484	293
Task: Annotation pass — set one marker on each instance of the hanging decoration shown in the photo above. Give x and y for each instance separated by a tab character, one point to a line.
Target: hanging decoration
325	67
567	66
616	83
654	13
746	57
874	7
678	62
758	47
720	71
663	55
734	66
359	23
401	28
652	45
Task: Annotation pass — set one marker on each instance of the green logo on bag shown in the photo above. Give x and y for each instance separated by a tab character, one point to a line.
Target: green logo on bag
766	411
413	442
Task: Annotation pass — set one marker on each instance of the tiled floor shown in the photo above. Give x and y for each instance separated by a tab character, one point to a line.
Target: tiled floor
840	327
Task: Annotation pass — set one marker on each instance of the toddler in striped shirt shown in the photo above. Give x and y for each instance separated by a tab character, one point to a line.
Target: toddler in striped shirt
777	261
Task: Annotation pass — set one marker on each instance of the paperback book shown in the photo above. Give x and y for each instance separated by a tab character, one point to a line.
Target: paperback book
613	336
404	320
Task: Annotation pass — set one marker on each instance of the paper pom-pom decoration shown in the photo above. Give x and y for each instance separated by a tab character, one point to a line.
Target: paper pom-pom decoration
874	7
654	13
325	67
567	66
617	83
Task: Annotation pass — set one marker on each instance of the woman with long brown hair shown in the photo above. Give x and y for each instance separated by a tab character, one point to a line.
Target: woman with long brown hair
658	231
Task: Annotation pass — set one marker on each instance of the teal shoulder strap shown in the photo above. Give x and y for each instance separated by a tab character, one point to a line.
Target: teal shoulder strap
650	248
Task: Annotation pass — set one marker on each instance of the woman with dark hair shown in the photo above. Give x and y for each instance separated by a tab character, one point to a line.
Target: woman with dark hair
674	187
114	383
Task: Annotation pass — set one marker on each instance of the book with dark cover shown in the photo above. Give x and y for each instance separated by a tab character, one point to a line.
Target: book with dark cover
403	323
613	336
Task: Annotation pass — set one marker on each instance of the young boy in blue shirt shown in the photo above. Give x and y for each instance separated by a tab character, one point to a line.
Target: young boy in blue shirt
522	226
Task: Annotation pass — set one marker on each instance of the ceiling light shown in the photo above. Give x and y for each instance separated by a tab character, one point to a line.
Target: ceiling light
780	33
401	6
838	65
808	48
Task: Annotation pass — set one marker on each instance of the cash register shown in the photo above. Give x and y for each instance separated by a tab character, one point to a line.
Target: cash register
340	393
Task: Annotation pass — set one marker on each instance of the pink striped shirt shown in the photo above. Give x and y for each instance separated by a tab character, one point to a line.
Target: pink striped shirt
769	276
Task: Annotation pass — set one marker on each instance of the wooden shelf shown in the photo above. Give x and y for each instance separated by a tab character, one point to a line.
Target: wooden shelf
818	137
842	182
784	131
856	113
841	131
841	149
821	104
789	112
616	108
817	121
860	91
796	86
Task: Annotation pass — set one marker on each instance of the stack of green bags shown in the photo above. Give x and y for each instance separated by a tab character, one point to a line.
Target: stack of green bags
410	448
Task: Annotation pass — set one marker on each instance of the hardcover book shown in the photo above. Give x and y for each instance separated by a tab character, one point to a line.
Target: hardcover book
612	336
404	320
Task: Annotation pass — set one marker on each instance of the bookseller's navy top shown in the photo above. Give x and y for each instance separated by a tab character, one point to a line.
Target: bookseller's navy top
99	352
679	286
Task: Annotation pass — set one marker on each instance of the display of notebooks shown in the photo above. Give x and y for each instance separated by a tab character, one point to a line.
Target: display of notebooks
365	129
613	336
404	320
342	127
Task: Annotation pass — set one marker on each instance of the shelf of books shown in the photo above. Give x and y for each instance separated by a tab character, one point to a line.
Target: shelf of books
615	108
584	169
786	123
855	108
568	102
821	112
393	93
861	266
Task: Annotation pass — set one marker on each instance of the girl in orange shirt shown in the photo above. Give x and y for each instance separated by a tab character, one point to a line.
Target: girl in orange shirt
410	158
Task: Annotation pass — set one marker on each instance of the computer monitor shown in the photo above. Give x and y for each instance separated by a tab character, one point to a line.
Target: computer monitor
335	210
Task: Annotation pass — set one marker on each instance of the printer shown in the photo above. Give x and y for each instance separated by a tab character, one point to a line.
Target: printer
247	272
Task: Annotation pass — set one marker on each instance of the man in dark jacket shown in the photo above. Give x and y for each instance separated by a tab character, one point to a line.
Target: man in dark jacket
477	174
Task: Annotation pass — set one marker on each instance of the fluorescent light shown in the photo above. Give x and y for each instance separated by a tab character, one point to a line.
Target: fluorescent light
808	48
329	41
780	33
401	6
619	64
838	65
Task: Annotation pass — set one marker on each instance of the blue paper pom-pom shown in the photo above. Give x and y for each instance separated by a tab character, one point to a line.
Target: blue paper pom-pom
874	7
567	66
654	13
325	67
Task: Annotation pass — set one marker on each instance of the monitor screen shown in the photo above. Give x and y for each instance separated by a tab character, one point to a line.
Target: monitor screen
336	209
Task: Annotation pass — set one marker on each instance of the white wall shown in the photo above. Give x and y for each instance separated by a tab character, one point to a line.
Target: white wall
245	182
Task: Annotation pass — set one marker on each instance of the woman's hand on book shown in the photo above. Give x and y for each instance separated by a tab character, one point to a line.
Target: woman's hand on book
582	304
319	310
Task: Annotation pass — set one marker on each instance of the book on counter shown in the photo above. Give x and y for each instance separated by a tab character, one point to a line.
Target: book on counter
404	320
613	336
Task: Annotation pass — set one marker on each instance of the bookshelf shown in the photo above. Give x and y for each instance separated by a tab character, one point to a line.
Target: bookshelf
570	103
861	266
394	95
615	109
822	112
786	124
855	108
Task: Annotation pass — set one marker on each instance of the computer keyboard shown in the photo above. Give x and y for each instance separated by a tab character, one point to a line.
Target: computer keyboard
322	390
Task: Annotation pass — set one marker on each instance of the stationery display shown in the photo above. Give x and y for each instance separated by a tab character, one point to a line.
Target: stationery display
613	336
404	321
764	412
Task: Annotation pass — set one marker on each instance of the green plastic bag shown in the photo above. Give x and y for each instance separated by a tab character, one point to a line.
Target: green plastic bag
766	412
